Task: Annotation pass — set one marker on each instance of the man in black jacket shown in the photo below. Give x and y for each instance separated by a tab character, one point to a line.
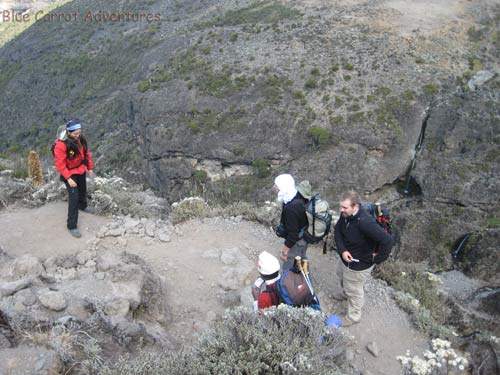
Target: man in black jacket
293	219
357	235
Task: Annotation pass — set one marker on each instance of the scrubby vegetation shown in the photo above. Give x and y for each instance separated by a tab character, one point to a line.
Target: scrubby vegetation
261	167
319	136
281	341
418	296
268	12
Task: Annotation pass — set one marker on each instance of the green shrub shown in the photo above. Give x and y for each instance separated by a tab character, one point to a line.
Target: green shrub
188	208
382	91
299	95
283	340
20	169
320	136
475	65
311	83
422	316
493	222
233	37
200	176
334	68
144	86
194	126
474	35
338	101
261	168
431	89
409	95
336	120
416	282
315	72
348	66
274	86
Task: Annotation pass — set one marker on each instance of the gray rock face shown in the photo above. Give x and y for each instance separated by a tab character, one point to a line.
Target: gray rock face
456	172
479	79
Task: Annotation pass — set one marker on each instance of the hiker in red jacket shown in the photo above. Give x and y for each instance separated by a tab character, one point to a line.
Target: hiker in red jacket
265	289
73	160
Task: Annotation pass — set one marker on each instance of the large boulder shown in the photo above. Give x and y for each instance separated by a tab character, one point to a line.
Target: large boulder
27	360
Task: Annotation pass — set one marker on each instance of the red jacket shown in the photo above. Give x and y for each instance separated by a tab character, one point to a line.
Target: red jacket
269	297
69	166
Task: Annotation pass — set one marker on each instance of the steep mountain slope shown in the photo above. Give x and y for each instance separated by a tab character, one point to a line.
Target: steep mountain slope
218	96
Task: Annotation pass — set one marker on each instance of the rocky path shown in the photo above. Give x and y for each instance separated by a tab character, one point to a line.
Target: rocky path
208	265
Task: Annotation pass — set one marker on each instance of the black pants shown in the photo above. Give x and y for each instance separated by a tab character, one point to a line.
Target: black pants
77	198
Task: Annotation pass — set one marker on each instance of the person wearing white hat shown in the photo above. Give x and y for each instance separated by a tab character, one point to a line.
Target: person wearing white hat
265	289
293	220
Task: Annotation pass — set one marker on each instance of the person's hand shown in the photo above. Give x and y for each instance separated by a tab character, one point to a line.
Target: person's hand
346	255
71	182
91	174
284	253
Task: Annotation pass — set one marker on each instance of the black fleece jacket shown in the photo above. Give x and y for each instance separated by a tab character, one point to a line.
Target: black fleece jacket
293	217
360	235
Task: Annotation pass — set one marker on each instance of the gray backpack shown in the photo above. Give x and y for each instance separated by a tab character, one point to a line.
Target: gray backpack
319	220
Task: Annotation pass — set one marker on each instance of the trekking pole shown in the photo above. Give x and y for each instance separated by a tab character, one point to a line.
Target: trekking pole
305	267
301	269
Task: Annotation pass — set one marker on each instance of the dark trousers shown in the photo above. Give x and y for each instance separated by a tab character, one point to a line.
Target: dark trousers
77	198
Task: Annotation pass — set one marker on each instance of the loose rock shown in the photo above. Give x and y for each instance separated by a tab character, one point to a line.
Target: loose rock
372	348
53	300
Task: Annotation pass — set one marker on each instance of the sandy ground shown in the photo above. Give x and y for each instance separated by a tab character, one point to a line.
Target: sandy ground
194	293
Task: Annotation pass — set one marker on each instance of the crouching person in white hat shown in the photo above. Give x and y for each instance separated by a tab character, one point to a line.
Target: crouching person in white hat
265	288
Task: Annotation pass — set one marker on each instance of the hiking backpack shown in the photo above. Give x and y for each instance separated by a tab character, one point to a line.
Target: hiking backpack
66	141
293	290
319	220
380	214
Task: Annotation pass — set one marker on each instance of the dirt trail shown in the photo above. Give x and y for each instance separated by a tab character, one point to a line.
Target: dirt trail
195	274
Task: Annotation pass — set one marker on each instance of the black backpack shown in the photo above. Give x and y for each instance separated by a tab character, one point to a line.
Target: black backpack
380	214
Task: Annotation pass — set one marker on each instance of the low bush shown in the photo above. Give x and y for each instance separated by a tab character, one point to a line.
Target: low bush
261	167
319	136
189	208
282	340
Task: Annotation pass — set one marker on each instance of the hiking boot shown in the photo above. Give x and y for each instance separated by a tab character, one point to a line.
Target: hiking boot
347	322
339	296
75	233
89	210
